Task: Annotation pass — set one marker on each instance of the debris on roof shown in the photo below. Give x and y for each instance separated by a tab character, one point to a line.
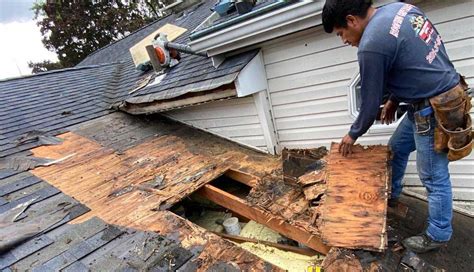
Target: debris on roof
40	136
23	163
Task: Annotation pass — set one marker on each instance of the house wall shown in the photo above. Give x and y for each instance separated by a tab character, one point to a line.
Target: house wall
308	77
235	119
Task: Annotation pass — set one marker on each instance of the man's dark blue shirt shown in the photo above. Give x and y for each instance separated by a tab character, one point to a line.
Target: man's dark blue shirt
401	51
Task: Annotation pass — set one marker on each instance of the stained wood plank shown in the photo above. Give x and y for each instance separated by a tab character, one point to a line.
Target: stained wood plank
314	191
318	176
10	257
245	178
355	207
37	196
80	250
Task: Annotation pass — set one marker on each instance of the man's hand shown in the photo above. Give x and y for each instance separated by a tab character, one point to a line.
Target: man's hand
388	112
345	147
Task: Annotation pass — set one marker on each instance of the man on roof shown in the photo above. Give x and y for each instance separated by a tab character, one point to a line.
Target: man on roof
399	50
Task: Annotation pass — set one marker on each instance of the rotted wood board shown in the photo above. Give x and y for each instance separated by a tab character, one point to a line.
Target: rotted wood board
355	206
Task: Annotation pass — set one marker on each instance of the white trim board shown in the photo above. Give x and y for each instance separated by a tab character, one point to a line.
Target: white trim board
252	79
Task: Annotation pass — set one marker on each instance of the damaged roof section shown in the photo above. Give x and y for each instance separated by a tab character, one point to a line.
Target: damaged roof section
129	171
194	80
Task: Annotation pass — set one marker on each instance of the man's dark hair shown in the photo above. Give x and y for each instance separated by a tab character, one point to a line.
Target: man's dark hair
335	12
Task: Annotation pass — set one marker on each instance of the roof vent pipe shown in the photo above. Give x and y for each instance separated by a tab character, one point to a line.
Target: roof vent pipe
161	41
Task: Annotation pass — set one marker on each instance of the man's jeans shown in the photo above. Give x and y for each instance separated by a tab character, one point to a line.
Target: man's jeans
432	170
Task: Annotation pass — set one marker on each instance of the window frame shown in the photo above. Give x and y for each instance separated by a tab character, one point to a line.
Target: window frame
377	127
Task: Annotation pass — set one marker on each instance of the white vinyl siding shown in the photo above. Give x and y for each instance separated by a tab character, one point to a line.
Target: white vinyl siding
309	75
236	119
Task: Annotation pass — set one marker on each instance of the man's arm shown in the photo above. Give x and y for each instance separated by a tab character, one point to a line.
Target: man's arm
373	70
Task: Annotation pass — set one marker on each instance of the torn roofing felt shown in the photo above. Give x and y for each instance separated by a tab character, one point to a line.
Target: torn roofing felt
193	74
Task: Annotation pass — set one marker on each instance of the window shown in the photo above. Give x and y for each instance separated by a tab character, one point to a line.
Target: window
355	103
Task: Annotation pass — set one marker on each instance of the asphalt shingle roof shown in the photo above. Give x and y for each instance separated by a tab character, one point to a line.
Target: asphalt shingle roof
194	73
51	102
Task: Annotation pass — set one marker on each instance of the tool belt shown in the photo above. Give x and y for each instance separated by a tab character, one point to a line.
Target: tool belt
453	133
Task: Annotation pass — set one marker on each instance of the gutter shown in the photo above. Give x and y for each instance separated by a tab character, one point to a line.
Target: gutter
236	20
274	23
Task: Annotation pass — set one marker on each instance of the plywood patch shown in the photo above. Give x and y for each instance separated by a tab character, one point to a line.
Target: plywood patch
138	51
354	211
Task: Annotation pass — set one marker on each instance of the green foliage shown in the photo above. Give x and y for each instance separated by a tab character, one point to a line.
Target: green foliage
44	66
75	29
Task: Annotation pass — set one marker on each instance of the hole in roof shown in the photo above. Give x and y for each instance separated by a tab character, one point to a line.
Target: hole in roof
206	213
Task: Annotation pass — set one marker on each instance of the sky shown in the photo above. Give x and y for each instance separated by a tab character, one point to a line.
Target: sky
20	39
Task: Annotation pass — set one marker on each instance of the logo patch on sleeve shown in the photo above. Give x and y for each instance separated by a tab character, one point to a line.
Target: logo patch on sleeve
423	28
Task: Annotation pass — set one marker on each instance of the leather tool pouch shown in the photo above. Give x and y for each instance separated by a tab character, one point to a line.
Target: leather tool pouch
422	123
453	133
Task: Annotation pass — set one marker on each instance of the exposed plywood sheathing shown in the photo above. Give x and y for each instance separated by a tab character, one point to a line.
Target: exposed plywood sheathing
110	181
354	211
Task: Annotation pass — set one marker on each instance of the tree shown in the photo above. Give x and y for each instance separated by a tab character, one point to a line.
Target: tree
44	66
75	29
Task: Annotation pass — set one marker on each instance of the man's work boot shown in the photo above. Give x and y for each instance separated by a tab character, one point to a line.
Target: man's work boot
422	243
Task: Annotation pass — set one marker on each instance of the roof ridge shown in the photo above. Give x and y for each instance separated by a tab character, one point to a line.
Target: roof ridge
74	68
114	42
